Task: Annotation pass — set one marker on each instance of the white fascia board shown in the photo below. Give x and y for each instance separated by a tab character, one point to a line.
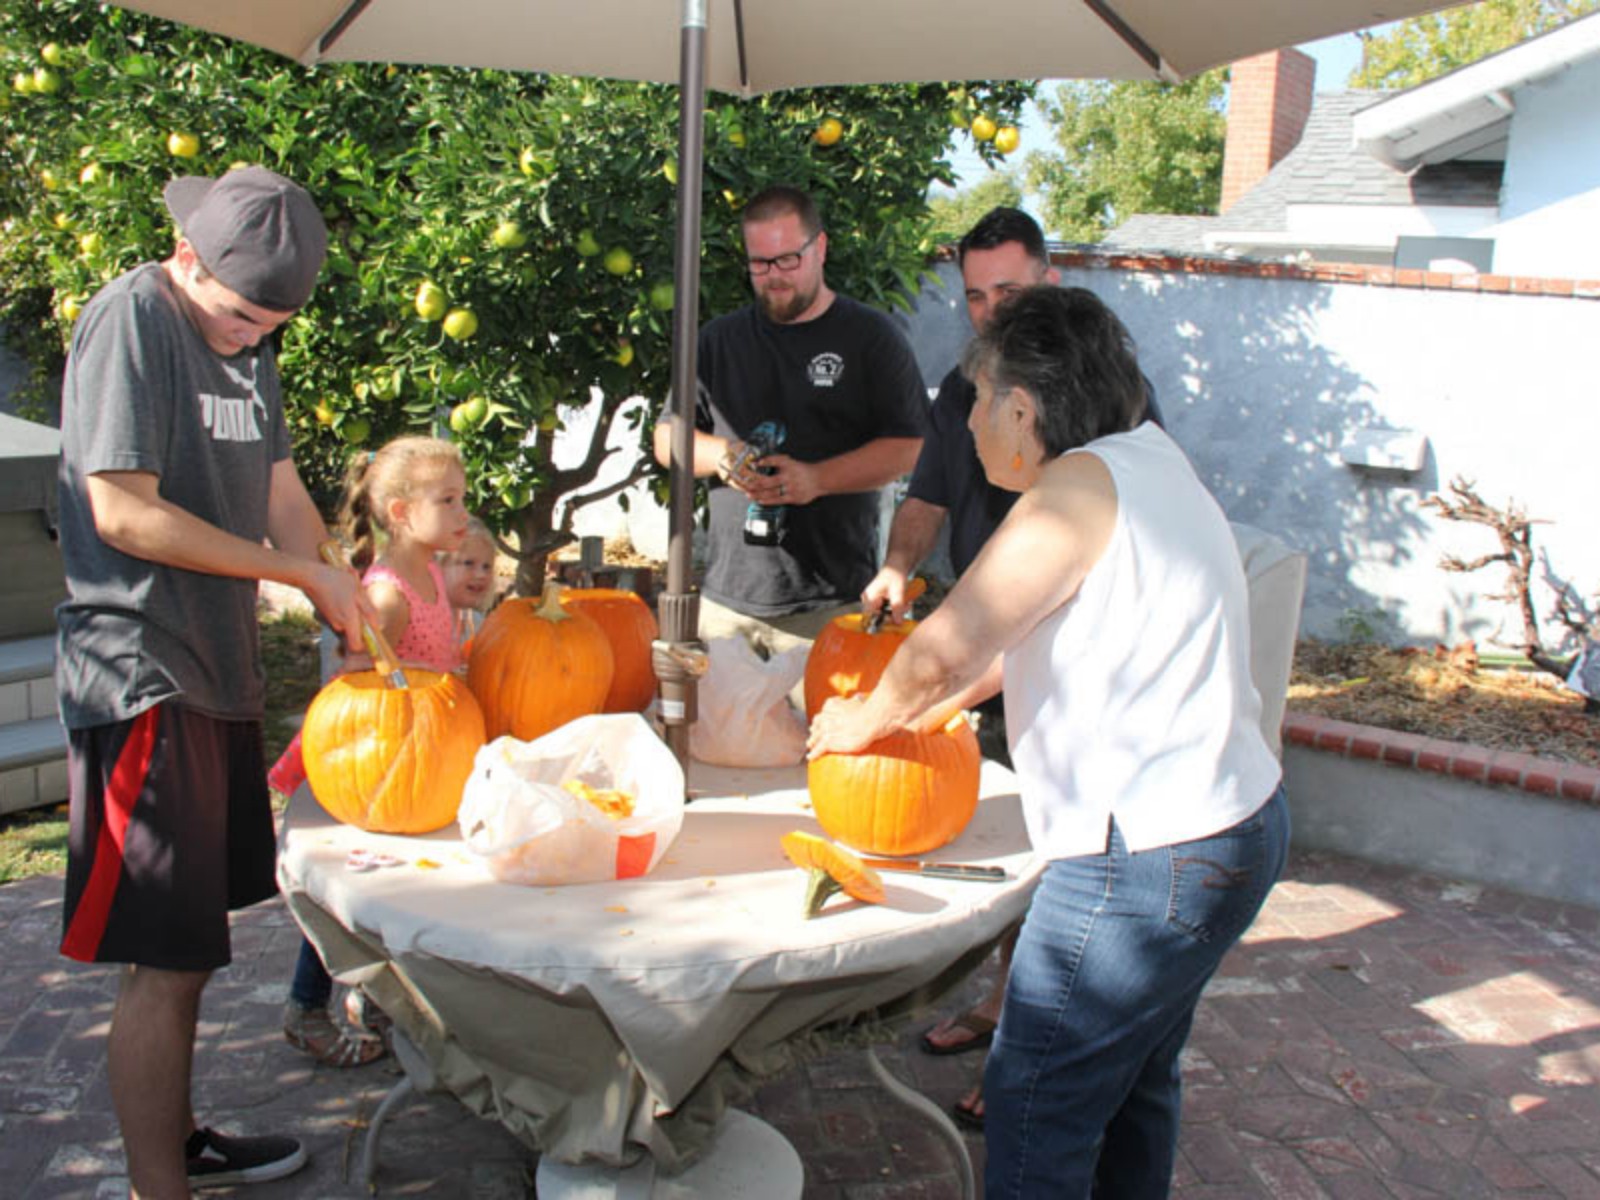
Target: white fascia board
1398	131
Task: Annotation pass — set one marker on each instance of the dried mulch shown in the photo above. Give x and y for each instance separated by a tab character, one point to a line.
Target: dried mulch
1445	693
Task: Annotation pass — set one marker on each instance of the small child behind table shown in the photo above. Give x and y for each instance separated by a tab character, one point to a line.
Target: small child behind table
469	582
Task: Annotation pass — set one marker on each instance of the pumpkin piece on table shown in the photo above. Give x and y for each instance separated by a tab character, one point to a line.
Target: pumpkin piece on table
535	666
392	760
907	793
830	869
630	627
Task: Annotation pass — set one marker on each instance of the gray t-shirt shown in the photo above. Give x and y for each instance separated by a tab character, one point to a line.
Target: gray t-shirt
143	392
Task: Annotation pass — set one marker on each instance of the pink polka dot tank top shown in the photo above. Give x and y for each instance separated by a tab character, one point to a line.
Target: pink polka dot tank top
430	636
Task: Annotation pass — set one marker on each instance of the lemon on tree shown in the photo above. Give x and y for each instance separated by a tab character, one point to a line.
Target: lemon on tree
588	246
469	414
51	53
91	244
323	413
828	132
1007	138
460	324
91	174
183	144
22	83
45	81
618	261
508	235
430	301
71	307
356	430
662	296
670	170
984	128
624	355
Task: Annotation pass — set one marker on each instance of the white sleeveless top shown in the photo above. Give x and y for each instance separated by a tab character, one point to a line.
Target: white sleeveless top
1133	700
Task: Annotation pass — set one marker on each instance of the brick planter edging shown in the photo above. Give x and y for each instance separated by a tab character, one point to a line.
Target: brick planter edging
1461	760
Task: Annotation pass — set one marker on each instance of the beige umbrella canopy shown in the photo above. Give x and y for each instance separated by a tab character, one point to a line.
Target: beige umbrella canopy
765	45
751	46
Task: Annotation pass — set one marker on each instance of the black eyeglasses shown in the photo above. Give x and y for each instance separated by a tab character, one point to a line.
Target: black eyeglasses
784	262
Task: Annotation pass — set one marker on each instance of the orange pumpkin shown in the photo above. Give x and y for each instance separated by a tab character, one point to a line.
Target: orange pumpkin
907	793
392	760
630	627
535	666
846	659
828	870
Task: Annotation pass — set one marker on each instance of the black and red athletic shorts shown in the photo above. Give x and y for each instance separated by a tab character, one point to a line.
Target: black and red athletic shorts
171	829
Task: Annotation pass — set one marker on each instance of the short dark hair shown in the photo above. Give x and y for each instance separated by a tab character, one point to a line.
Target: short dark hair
1067	350
999	226
781	200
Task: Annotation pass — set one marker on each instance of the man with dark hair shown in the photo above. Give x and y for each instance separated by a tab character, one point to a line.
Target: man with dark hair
175	473
794	533
1003	254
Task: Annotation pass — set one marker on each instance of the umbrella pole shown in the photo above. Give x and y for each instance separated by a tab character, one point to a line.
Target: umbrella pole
679	658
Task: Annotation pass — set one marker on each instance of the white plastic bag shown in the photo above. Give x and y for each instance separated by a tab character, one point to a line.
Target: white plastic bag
531	830
746	719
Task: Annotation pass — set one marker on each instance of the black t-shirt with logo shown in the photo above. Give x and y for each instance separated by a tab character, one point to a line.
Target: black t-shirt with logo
836	383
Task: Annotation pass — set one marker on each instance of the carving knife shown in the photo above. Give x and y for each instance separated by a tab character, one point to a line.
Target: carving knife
939	870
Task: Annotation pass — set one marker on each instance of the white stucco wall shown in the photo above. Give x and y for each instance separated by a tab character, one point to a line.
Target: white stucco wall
1550	200
1261	380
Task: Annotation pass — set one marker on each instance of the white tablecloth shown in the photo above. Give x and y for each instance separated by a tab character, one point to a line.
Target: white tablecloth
597	1020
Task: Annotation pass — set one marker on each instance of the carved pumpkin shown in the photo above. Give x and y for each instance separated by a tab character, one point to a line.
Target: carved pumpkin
846	659
630	627
392	760
849	655
828	870
907	793
535	666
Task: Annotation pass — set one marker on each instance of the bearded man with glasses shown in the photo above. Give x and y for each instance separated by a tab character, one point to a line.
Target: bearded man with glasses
794	533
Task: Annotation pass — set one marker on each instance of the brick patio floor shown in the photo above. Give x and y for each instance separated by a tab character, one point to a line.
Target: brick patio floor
1379	1034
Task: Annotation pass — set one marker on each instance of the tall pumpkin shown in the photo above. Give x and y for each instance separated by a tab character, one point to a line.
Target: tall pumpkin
908	793
630	627
535	666
846	659
392	760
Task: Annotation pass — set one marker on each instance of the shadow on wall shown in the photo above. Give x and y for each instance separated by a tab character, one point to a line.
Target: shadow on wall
1261	407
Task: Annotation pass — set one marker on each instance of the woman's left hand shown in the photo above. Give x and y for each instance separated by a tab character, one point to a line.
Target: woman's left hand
842	726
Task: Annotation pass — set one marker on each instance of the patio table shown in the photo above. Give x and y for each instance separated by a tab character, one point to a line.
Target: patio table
600	1022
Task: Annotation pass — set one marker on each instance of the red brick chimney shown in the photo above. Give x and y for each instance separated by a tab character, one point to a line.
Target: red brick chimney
1269	99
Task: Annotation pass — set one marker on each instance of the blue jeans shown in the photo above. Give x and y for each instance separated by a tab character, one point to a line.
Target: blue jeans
312	986
1081	1092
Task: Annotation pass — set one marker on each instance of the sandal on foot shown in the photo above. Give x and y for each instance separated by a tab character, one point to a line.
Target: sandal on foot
313	1031
980	1027
969	1116
361	1012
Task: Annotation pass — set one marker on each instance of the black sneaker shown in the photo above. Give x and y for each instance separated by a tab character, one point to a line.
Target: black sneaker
216	1160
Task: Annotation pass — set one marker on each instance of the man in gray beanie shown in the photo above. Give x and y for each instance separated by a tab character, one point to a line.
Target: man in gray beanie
177	497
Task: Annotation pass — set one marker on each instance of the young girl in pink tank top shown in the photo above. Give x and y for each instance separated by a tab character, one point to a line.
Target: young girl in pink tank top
413	492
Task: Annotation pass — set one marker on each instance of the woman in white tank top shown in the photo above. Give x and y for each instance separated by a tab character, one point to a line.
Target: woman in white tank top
1112	604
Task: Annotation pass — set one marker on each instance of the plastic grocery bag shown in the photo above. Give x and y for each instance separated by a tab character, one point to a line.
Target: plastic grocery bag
530	829
746	719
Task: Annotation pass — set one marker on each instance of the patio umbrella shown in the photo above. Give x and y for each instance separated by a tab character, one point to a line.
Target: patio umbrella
751	46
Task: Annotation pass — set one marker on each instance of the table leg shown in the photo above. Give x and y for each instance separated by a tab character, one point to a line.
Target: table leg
920	1104
746	1160
418	1077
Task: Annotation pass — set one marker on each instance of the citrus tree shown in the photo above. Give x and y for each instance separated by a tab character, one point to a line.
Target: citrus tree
501	248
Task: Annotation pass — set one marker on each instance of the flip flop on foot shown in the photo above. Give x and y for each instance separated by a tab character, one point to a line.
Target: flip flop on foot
979	1031
968	1111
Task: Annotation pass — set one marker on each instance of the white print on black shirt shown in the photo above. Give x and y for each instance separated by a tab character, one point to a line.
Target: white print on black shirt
232	419
825	369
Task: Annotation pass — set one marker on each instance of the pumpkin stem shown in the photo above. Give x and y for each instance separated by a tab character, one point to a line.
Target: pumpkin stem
550	603
819	886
